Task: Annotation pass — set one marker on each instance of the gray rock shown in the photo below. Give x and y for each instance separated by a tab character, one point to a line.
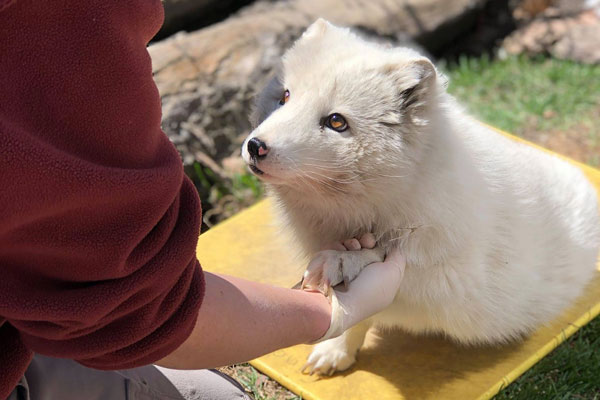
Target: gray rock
573	37
580	43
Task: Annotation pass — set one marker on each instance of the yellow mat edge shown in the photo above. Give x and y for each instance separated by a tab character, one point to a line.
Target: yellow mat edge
511	376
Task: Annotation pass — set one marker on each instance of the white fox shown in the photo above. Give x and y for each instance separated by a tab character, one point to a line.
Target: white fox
353	137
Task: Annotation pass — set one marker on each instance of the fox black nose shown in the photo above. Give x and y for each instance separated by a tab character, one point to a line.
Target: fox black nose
257	148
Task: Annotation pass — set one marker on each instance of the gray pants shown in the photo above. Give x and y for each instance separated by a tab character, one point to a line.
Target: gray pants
58	379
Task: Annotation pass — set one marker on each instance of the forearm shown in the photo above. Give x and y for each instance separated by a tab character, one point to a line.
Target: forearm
240	320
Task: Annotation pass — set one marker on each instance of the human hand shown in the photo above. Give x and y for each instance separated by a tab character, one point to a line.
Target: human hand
373	290
366	241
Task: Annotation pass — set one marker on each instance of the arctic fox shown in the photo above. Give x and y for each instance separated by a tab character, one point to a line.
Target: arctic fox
353	137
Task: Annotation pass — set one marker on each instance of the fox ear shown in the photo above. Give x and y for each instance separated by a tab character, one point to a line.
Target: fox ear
317	28
415	80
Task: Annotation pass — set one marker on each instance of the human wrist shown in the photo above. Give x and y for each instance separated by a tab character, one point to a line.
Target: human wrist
318	317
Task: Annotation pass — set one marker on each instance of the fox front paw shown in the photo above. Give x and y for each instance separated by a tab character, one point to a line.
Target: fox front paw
331	267
328	357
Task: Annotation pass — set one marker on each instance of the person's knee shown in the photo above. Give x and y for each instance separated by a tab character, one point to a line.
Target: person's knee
205	384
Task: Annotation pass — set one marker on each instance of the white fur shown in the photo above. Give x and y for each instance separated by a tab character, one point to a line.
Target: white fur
499	236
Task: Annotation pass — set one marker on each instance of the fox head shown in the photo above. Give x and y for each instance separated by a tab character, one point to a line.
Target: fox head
341	113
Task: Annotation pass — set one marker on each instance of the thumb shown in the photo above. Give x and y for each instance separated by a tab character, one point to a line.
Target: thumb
393	269
395	259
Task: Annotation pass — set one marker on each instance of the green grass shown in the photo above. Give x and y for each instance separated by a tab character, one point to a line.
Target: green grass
542	94
260	386
512	93
240	186
223	196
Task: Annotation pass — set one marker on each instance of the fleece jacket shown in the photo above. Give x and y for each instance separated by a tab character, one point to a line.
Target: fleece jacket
98	223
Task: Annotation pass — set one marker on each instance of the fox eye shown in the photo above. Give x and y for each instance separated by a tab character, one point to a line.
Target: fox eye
286	96
336	122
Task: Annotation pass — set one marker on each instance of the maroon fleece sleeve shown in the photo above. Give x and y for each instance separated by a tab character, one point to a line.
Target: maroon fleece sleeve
98	224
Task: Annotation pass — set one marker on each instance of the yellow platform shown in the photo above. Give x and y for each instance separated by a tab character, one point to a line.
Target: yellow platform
391	365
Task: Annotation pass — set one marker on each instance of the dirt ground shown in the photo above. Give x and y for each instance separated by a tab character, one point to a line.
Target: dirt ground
581	141
263	386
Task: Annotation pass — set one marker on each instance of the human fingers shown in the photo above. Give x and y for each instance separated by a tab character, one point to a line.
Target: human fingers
367	241
352	244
